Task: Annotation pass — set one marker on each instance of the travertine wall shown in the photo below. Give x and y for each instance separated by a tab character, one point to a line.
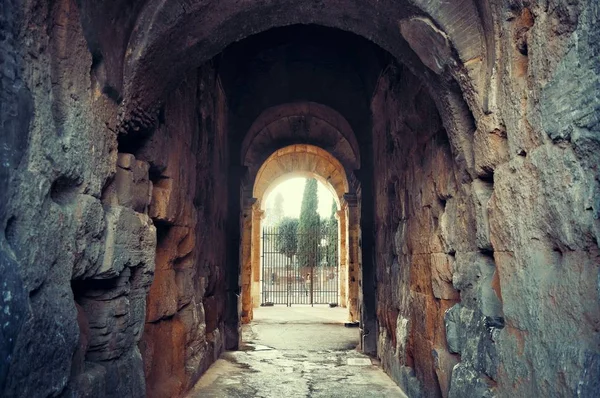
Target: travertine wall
80	223
61	257
487	239
424	225
183	333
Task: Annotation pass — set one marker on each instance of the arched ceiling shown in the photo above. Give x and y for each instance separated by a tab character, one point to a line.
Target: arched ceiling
301	160
172	36
300	123
300	63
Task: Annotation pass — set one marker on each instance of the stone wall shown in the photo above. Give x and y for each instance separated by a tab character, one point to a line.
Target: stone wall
183	334
425	227
57	234
84	214
488	268
545	206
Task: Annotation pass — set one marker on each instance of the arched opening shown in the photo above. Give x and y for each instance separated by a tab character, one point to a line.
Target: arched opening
285	163
301	249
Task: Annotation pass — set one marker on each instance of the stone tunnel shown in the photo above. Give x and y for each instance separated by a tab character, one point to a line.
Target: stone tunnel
461	140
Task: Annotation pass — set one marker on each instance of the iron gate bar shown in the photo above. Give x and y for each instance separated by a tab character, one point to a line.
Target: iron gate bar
285	282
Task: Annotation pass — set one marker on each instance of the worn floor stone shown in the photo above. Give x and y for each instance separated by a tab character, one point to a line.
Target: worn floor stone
297	352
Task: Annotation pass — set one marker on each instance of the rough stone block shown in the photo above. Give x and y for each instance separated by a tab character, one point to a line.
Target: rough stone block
89	230
402	333
130	242
457	225
13	309
161	207
428	42
91	382
473	276
468	383
444	362
441	277
125	376
125	161
491	150
163	296
111	328
184	278
482	192
469	334
131	186
452	323
45	369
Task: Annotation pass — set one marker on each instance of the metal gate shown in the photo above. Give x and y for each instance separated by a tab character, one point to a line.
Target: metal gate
307	275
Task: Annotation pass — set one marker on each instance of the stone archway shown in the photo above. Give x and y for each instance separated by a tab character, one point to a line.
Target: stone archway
478	183
285	163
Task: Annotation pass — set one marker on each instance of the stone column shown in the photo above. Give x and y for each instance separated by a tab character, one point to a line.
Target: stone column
340	215
353	255
246	272
257	216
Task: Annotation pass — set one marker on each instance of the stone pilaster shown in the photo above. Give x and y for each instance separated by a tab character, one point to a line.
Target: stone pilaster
343	255
246	272
257	216
353	254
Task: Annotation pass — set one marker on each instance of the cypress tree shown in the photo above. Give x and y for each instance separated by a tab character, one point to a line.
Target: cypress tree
308	226
286	239
332	237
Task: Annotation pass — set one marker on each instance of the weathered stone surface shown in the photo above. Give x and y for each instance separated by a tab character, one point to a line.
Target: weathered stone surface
431	44
416	252
452	322
444	365
468	383
131	186
89	236
50	215
482	192
473	276
17	102
130	242
183	334
472	335
47	372
491	150
159	206
165	287
13	311
457	225
441	277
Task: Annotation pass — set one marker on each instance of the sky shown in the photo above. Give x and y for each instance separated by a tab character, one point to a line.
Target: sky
292	190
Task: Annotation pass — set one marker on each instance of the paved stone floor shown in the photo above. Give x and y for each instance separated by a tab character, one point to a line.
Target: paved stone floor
300	351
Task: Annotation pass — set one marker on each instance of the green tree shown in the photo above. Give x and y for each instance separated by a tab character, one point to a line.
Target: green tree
287	237
329	238
309	226
332	237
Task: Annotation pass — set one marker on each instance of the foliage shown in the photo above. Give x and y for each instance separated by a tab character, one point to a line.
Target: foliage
309	226
329	236
287	238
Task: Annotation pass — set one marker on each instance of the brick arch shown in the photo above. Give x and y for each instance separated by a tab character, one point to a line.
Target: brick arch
299	159
300	123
